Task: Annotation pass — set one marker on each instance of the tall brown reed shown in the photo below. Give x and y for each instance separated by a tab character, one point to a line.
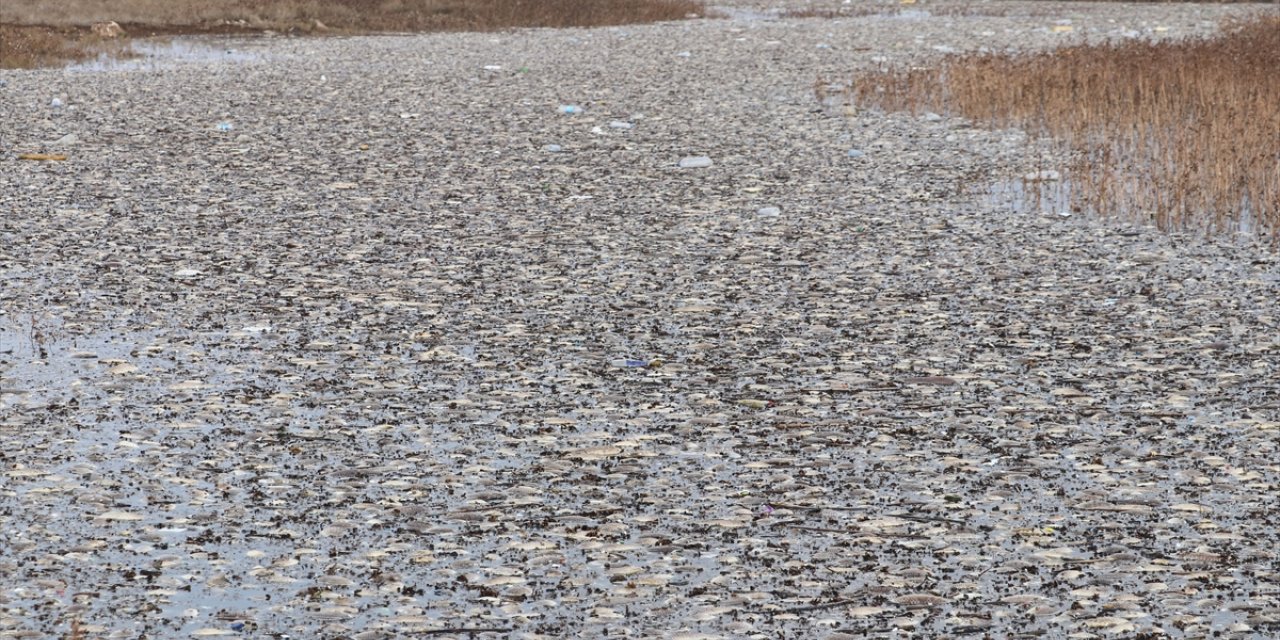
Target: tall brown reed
1182	133
348	15
42	32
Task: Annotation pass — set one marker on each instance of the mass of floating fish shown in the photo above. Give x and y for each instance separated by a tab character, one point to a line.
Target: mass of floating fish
375	338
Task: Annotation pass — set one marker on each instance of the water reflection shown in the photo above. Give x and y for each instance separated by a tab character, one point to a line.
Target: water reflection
1036	196
150	55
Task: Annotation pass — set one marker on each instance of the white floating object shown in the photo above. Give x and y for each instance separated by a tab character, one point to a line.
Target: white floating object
257	328
619	124
119	516
1048	175
493	67
695	162
769	212
187	273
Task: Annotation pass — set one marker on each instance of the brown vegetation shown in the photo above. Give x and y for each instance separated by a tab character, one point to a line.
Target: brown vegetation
975	8
346	15
42	32
23	47
1180	133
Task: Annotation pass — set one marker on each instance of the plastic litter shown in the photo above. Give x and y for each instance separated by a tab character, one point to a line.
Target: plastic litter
695	162
225	126
628	363
552	148
56	103
570	109
1046	175
856	153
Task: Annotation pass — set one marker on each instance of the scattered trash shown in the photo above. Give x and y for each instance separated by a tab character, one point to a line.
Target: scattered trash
66	140
1062	28
769	212
493	67
108	30
42	157
56	103
856	153
695	162
619	124
1047	175
931	380
685	54
225	126
552	148
628	363
570	109
930	116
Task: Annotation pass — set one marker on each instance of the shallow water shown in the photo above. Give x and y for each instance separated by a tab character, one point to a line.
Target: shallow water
165	53
1031	196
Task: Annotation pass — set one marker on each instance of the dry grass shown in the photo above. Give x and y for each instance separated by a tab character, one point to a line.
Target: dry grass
866	9
25	47
951	9
1180	133
45	32
346	15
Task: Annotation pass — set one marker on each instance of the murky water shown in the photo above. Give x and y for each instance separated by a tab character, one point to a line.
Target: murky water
170	52
1031	196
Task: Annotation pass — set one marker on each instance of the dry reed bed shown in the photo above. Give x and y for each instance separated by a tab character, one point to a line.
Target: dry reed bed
1179	133
24	47
353	15
977	8
36	33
